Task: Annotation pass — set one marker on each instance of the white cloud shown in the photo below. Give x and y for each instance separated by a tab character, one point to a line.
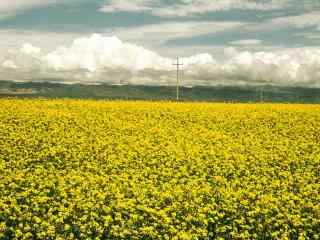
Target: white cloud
162	32
246	42
10	39
200	59
9	64
107	59
28	49
98	52
310	19
189	7
309	35
204	6
302	21
9	8
13	5
126	6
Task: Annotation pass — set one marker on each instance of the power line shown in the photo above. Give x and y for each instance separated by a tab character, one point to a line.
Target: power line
178	64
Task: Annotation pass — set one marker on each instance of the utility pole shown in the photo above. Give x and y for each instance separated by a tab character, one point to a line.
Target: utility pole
178	64
261	95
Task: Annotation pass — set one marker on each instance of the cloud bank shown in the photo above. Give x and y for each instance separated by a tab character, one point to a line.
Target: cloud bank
103	59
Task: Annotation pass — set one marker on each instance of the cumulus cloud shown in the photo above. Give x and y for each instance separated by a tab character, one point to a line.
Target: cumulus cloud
102	59
190	7
98	52
9	64
28	49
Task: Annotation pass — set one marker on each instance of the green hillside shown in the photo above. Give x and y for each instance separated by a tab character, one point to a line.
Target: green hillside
105	91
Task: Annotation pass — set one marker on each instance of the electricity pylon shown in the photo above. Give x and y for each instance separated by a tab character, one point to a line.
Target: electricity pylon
178	64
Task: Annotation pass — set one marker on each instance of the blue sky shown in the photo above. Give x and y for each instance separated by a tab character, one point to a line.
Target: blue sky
259	20
166	28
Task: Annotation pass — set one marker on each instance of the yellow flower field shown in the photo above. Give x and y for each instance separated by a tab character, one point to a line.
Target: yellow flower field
80	169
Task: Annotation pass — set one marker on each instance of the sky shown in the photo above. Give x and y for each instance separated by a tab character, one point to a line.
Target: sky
220	42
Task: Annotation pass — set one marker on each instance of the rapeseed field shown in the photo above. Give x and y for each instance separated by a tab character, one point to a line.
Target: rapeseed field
81	169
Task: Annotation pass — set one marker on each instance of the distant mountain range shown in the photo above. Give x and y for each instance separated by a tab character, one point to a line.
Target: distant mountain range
134	92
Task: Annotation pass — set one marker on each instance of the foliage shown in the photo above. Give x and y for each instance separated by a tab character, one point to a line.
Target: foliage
74	169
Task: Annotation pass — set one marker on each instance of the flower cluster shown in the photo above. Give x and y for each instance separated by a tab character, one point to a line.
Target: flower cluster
80	169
